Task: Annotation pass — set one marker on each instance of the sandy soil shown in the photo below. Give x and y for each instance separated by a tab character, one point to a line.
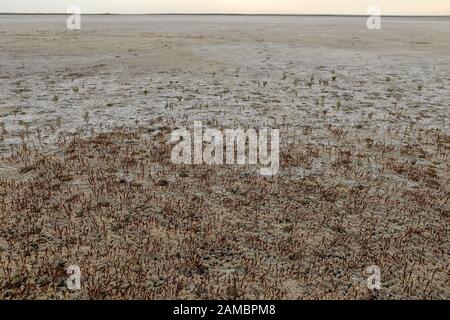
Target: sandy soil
364	120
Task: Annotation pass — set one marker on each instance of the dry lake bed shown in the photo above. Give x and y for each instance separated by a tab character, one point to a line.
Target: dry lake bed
86	176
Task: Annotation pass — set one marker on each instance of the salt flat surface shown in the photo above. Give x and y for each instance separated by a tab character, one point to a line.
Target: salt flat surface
122	69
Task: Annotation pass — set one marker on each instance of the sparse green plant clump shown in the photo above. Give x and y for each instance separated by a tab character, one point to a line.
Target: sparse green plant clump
3	132
333	75
86	117
168	105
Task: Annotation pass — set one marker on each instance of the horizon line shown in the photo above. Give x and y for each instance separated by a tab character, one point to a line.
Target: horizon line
229	14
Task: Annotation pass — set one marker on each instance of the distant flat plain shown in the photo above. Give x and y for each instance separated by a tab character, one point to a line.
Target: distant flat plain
115	57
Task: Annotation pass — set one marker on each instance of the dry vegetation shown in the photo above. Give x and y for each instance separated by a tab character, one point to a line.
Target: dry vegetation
140	227
86	177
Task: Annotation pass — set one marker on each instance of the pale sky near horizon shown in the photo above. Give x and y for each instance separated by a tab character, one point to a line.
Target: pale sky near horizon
400	7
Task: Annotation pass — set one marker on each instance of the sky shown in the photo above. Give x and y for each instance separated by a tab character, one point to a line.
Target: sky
397	7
